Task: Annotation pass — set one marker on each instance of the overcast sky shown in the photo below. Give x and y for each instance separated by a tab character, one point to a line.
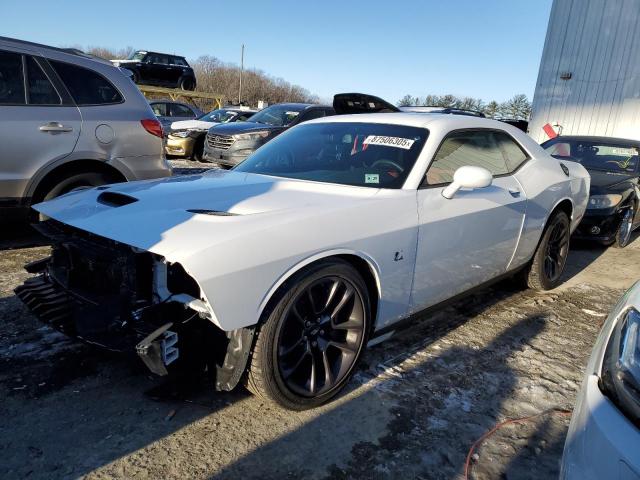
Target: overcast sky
487	49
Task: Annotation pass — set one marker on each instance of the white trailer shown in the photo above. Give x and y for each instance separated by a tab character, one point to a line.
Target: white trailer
589	78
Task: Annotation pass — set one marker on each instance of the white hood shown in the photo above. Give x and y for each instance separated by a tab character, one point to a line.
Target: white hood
192	125
163	217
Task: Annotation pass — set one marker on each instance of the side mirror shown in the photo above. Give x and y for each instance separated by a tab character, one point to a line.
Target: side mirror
468	177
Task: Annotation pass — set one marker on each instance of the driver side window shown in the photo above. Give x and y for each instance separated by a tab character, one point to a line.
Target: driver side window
469	147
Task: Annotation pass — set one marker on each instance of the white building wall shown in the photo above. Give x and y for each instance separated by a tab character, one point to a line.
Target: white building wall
598	43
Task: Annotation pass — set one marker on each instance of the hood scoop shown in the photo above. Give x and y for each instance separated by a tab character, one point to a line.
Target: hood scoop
215	213
115	199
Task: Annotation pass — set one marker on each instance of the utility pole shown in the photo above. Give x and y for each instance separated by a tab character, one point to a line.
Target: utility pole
241	71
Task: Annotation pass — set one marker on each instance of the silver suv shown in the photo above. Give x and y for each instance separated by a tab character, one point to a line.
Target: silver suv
69	120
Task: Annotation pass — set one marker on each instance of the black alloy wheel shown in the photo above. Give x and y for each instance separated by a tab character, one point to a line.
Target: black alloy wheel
545	269
623	234
557	251
311	336
320	336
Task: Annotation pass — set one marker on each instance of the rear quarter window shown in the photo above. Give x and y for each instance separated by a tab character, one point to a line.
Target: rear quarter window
86	86
11	79
41	91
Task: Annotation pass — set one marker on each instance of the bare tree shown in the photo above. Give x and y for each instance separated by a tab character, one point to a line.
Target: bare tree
109	54
407	101
518	107
492	109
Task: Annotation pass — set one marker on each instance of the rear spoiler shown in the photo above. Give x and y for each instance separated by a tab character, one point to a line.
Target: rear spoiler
346	103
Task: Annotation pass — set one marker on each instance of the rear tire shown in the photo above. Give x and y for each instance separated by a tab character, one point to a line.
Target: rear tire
186	84
623	234
310	341
544	272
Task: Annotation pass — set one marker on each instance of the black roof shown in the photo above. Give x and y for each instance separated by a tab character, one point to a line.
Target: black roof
160	53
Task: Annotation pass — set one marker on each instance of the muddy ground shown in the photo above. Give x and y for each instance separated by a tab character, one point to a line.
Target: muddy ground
415	406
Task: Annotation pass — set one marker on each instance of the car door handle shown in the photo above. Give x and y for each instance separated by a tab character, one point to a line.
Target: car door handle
55	127
514	192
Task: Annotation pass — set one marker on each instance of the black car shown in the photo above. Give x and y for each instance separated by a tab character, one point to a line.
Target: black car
613	163
159	69
229	143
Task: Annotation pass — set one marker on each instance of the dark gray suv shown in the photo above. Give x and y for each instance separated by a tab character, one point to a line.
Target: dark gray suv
230	143
69	120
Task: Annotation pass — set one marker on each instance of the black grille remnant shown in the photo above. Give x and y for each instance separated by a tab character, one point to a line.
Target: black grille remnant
52	305
91	287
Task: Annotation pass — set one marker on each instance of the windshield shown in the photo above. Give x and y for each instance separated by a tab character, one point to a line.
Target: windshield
220	115
606	157
361	154
136	56
278	115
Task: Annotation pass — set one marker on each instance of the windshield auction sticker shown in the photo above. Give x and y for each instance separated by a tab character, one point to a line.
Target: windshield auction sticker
397	142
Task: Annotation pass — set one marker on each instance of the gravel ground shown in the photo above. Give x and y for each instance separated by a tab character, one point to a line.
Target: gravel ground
416	405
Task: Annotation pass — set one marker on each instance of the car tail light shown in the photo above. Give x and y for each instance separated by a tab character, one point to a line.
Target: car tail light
153	126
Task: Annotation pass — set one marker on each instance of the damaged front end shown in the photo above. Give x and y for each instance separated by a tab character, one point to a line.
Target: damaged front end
129	300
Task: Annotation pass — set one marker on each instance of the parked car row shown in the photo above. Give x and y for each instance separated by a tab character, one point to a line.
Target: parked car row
186	138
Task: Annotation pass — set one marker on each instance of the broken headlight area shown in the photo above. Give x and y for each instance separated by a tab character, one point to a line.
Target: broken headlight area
130	300
620	379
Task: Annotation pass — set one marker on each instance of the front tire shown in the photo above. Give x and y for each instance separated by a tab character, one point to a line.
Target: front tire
545	270
311	339
623	234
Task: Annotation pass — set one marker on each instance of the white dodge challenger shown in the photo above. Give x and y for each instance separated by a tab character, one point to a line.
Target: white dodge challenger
279	272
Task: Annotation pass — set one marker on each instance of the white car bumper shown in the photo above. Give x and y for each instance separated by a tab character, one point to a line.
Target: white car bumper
602	442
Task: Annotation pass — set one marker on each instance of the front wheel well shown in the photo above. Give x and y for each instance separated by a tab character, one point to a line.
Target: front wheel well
361	265
74	168
565	206
366	271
